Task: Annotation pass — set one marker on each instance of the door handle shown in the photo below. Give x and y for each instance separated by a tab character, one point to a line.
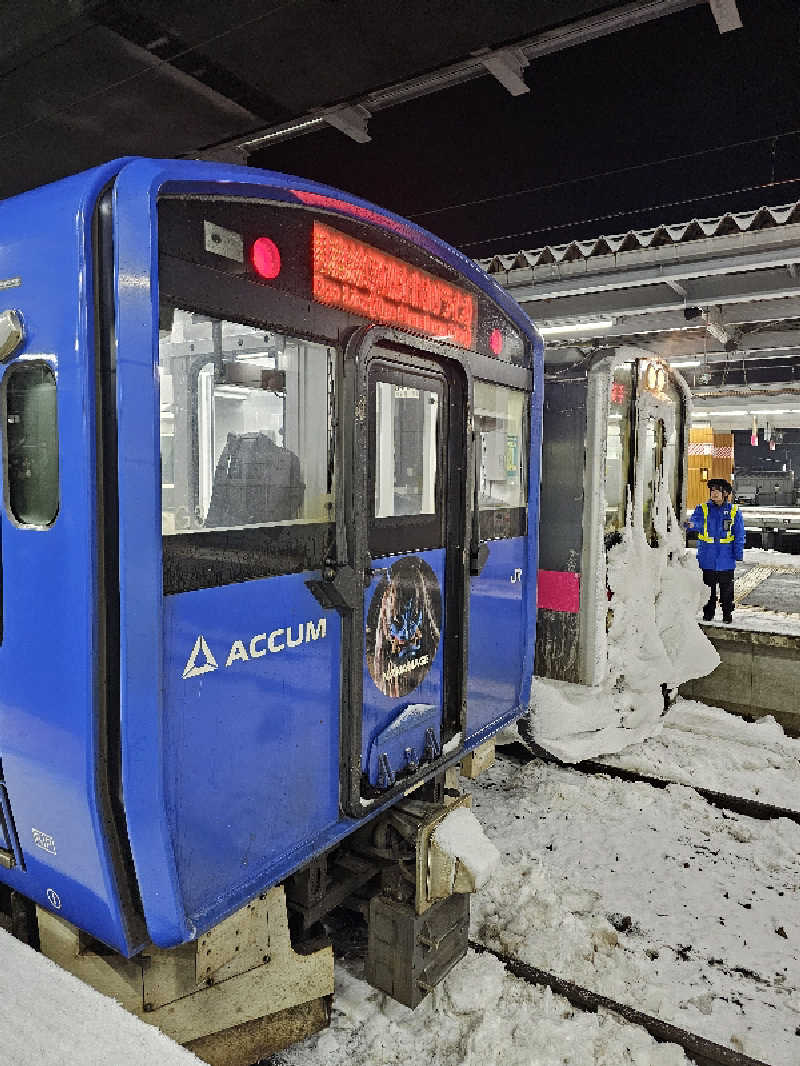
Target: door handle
341	589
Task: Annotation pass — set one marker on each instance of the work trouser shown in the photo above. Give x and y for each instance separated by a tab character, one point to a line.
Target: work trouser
723	578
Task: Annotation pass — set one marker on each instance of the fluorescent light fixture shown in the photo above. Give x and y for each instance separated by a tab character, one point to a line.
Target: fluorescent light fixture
577	327
739	412
775	410
687	362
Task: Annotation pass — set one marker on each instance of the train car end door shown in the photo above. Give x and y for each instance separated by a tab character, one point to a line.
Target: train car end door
405	505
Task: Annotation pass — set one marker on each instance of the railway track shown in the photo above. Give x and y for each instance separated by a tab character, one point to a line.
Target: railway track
701	1051
522	753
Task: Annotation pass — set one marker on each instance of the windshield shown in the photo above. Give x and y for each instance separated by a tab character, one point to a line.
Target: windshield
246	425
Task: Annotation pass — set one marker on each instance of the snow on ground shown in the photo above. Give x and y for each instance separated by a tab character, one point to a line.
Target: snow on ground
759	621
50	1018
478	1016
649	896
708	747
768	557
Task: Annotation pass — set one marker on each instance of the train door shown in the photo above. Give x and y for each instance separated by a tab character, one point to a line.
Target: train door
413	612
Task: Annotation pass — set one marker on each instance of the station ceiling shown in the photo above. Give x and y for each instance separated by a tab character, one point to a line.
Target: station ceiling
460	104
86	81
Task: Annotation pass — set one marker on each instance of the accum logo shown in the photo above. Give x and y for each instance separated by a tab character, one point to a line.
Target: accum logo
202	661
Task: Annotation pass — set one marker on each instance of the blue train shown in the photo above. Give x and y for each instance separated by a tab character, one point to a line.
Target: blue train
269	556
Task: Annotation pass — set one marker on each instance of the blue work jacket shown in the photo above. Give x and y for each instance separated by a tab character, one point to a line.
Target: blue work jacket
720	535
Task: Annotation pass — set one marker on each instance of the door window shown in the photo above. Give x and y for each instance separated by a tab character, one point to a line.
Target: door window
653	467
406	435
406	449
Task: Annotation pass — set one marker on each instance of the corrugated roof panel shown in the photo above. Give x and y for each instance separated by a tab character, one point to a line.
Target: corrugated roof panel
661	237
637	240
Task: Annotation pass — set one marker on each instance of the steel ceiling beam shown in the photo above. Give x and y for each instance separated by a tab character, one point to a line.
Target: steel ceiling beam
497	61
726	14
582	282
760	292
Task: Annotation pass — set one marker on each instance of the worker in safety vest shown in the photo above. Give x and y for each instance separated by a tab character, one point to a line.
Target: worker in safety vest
720	545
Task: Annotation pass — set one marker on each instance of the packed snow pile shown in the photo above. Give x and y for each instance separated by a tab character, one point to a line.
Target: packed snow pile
653	638
50	1018
473	858
479	1016
707	746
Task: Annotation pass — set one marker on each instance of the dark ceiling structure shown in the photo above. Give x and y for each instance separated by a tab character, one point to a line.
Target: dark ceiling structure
356	83
501	125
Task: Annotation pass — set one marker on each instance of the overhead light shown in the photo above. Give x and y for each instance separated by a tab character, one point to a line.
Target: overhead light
577	327
687	362
740	412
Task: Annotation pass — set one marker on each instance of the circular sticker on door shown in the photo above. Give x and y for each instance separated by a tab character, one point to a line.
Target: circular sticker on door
404	621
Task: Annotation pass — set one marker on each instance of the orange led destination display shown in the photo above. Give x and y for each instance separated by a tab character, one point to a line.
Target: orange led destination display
353	276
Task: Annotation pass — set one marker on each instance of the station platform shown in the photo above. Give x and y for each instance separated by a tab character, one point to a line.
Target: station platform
760	651
772	527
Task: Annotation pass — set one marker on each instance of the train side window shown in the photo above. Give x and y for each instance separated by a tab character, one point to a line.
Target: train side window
246	426
501	443
31	444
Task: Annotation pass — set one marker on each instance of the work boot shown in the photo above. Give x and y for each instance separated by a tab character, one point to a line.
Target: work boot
707	615
727	617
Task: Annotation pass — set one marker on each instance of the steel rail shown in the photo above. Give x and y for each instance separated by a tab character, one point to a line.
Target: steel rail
701	1051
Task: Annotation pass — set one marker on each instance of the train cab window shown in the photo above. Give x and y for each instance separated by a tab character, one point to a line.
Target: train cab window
501	460
245	426
31	444
618	448
246	450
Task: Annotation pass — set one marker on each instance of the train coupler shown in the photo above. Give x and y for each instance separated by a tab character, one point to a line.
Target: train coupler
417	936
409	953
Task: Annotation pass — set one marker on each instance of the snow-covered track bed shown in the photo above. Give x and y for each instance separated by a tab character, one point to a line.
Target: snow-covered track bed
752	808
752	768
698	1050
651	897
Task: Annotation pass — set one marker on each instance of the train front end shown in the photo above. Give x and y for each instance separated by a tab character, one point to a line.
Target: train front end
290	557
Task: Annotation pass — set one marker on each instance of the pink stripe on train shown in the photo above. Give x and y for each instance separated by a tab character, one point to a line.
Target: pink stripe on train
558	590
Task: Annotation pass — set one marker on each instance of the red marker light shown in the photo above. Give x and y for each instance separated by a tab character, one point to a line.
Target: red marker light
266	258
496	341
